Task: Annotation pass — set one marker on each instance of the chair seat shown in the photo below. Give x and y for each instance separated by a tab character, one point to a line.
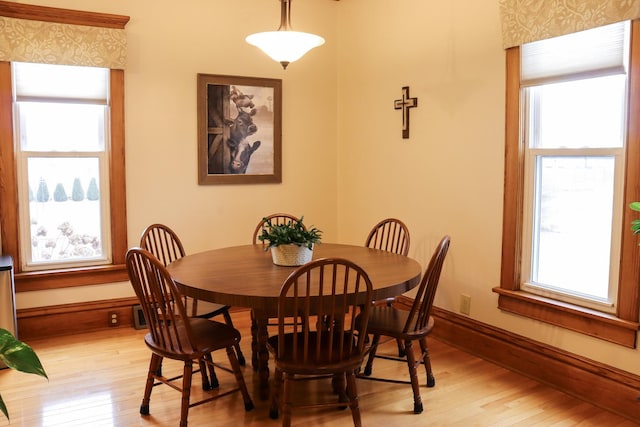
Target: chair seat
390	321
208	334
318	362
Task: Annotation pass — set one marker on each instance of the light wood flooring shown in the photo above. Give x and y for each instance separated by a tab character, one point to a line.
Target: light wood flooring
97	379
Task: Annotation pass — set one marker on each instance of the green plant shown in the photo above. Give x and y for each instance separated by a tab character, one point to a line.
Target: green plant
635	224
289	233
19	356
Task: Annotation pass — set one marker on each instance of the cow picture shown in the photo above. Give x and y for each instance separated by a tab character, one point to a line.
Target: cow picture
244	118
239	129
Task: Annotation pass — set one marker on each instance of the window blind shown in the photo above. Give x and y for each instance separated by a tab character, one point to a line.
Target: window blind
89	84
596	52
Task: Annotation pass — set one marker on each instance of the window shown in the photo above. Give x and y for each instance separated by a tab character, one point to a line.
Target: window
574	137
35	271
100	41
62	118
568	250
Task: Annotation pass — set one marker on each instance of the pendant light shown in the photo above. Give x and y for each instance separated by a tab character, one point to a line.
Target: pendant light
285	45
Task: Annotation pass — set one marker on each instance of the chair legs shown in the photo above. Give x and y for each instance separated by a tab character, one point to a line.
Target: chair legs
186	387
229	322
281	399
431	380
412	364
204	362
235	366
372	354
413	374
286	400
254	342
208	383
154	367
212	382
352	395
186	392
275	398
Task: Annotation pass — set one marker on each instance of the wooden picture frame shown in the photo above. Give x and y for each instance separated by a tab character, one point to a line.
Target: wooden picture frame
239	130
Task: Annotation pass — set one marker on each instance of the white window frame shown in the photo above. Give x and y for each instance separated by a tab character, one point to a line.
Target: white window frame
531	157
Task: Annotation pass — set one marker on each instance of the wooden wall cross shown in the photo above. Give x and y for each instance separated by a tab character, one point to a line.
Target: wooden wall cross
404	104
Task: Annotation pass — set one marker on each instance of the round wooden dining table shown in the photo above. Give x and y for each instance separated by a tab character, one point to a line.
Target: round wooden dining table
245	276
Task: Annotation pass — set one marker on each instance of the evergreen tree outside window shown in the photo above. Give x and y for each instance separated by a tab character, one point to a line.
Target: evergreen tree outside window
77	193
43	192
59	194
93	193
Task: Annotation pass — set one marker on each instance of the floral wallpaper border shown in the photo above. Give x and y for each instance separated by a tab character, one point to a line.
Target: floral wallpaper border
525	21
64	44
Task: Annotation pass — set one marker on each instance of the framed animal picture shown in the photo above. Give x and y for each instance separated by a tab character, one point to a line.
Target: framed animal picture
239	130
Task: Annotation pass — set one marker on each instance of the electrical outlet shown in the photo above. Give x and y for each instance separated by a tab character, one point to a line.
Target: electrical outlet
114	320
465	304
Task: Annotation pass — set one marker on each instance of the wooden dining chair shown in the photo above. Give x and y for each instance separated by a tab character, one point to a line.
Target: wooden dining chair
409	326
165	244
175	335
317	337
391	235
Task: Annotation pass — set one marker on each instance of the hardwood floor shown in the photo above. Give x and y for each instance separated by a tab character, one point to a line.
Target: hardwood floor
97	379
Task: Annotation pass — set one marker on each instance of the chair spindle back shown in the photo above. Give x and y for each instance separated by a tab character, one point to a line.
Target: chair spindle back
390	235
423	302
161	302
319	302
162	242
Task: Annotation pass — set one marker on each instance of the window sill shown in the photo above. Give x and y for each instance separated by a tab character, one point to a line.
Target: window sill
53	279
590	322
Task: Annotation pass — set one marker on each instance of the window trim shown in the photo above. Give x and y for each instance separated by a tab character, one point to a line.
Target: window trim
620	328
67	277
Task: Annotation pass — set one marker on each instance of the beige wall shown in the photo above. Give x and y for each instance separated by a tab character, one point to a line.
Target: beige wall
169	44
448	177
345	165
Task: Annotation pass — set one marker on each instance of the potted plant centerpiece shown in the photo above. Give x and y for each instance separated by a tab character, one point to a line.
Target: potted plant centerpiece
291	243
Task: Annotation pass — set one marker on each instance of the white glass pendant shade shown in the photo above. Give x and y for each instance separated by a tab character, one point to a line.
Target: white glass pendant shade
285	46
